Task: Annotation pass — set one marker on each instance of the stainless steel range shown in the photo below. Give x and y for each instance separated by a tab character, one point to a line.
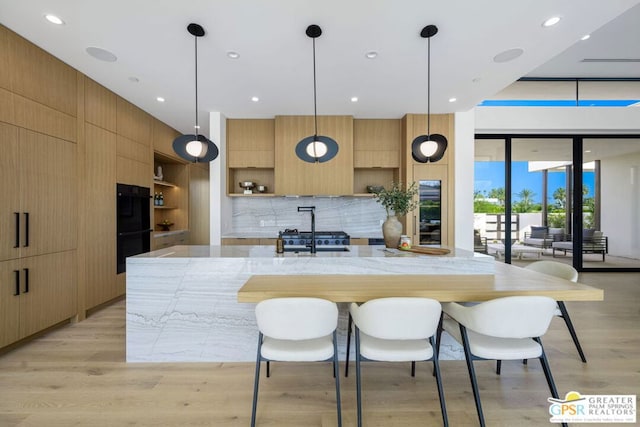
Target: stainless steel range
326	241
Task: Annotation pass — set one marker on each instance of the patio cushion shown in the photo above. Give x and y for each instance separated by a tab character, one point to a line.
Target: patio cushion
588	234
538	232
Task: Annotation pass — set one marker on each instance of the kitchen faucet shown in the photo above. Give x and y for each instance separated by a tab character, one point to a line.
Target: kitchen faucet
311	209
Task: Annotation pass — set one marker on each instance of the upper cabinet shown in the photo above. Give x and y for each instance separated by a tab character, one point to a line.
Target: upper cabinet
376	152
297	177
250	154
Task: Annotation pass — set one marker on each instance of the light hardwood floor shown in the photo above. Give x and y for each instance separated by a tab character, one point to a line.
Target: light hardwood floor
76	376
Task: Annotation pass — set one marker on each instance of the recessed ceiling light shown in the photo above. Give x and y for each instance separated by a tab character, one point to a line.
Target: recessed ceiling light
101	54
255	99
160	99
453	99
551	21
585	37
354	99
53	19
233	55
587	151
508	55
371	54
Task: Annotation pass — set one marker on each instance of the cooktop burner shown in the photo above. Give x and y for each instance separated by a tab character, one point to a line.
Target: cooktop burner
295	240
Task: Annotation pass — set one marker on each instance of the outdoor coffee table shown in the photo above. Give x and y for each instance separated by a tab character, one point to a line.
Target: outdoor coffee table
516	250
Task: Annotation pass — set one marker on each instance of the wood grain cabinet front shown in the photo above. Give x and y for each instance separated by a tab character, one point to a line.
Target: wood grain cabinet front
36	293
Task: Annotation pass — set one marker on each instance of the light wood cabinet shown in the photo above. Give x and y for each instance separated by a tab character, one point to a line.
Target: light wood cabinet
250	154
39	198
376	153
168	239
100	202
35	293
296	177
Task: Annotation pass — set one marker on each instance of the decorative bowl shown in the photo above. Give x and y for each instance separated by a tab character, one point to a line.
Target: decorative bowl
374	188
165	226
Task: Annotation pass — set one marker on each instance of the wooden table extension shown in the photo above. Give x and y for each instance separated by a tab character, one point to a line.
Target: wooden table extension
507	281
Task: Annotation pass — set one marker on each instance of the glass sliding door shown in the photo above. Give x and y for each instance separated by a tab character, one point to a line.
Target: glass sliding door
611	207
490	197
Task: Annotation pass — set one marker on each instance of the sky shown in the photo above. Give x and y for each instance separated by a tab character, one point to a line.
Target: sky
488	175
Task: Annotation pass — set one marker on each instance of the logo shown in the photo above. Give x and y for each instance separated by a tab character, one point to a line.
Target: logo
577	408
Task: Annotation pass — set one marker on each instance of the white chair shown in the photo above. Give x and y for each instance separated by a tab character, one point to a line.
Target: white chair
396	330
563	271
296	330
502	329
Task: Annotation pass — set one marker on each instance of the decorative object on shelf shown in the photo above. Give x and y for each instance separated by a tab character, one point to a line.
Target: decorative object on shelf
195	148
374	188
261	188
165	225
397	202
248	186
316	148
428	148
159	176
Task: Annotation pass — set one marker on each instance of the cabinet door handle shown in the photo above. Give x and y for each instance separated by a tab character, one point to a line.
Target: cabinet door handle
17	223
17	280
26	229
26	280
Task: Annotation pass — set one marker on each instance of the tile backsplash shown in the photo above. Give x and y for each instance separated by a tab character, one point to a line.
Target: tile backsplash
266	216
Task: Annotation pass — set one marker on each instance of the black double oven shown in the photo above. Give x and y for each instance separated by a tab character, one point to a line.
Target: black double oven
133	224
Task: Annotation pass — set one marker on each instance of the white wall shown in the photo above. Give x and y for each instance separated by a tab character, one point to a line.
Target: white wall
220	217
463	191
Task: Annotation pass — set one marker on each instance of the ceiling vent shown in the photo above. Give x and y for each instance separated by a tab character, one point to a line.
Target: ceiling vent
610	60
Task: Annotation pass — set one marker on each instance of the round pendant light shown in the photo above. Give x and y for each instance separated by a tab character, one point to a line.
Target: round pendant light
316	148
195	148
429	147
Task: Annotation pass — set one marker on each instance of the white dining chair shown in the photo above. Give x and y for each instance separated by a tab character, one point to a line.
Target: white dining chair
296	330
501	329
396	329
563	271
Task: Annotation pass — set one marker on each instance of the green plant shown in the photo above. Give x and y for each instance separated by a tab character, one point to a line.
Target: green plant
396	199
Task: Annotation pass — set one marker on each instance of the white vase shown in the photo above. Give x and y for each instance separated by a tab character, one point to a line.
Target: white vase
391	231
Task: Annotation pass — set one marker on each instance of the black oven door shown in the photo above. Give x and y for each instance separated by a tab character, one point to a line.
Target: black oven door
132	243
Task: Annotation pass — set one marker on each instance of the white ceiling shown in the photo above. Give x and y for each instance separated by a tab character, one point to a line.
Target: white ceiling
150	39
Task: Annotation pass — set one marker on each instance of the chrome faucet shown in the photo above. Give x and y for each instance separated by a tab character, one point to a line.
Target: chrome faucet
311	209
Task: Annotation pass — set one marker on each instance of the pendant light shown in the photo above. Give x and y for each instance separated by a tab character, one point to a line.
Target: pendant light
428	148
195	148
316	148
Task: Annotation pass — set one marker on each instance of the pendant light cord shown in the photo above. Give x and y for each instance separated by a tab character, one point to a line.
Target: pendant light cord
315	103
197	126
428	88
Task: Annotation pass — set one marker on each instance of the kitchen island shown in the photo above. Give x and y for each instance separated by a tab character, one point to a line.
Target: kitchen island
182	301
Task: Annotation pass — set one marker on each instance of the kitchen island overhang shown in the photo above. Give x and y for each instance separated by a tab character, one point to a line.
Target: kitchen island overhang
182	301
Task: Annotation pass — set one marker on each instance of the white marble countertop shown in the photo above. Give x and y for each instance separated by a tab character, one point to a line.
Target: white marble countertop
248	251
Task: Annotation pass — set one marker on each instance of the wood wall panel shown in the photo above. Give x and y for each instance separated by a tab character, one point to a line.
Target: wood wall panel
101	214
163	137
40	118
9	304
294	176
39	76
132	122
5	61
100	105
133	150
199	206
132	172
6	107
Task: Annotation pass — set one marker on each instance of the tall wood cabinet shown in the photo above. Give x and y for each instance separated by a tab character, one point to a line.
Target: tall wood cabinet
376	153
38	270
294	176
